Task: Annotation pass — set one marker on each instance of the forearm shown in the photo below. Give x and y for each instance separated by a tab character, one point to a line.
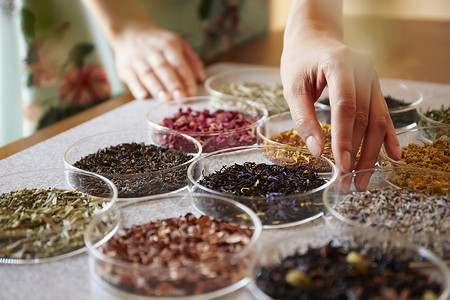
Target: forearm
115	17
316	16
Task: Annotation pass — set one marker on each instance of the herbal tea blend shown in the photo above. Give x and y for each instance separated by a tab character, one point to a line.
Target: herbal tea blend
441	115
292	138
132	168
185	256
434	155
268	94
268	184
214	130
403	211
39	223
337	272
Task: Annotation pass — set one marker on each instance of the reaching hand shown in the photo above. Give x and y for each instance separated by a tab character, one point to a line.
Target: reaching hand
313	59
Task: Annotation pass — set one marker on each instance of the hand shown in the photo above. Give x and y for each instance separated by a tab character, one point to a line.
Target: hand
313	59
157	62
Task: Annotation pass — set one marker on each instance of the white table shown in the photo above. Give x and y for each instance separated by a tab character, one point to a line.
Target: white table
69	278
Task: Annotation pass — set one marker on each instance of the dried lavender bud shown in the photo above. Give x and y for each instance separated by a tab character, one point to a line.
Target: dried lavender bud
221	129
403	211
185	256
332	277
132	168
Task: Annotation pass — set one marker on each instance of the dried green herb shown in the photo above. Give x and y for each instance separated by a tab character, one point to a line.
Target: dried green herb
441	115
268	94
38	223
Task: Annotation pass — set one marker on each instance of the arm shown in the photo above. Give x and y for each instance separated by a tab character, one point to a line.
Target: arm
149	59
313	57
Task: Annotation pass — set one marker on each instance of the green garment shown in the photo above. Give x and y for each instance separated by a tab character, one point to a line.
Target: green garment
58	63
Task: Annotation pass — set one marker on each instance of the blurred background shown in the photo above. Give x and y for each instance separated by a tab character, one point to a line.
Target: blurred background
409	39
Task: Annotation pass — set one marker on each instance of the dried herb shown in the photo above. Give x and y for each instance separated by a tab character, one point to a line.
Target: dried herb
338	272
217	130
185	256
133	168
268	184
270	95
37	223
434	155
401	210
441	115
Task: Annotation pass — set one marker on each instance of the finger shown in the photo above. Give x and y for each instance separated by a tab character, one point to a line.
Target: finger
341	87
303	114
379	120
134	84
167	75
148	78
363	87
185	73
196	64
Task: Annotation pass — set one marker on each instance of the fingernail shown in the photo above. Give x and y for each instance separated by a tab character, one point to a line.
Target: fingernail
344	162
178	95
162	96
313	145
363	181
141	94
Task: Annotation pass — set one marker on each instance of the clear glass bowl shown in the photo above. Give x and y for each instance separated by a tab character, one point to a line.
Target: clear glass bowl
410	203
210	277
368	244
141	185
403	117
30	241
212	140
274	211
430	104
274	125
259	84
418	136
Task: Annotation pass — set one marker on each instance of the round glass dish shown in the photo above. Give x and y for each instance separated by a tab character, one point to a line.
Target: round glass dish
278	130
275	210
196	260
340	263
212	139
259	84
423	147
401	98
438	104
50	210
139	184
410	203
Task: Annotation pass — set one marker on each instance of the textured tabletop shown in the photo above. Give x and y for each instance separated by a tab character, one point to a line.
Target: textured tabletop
69	278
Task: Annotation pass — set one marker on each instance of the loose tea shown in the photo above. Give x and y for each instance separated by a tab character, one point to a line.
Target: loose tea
268	185
132	168
38	223
338	272
441	115
268	94
403	211
185	256
400	119
217	130
435	155
292	138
